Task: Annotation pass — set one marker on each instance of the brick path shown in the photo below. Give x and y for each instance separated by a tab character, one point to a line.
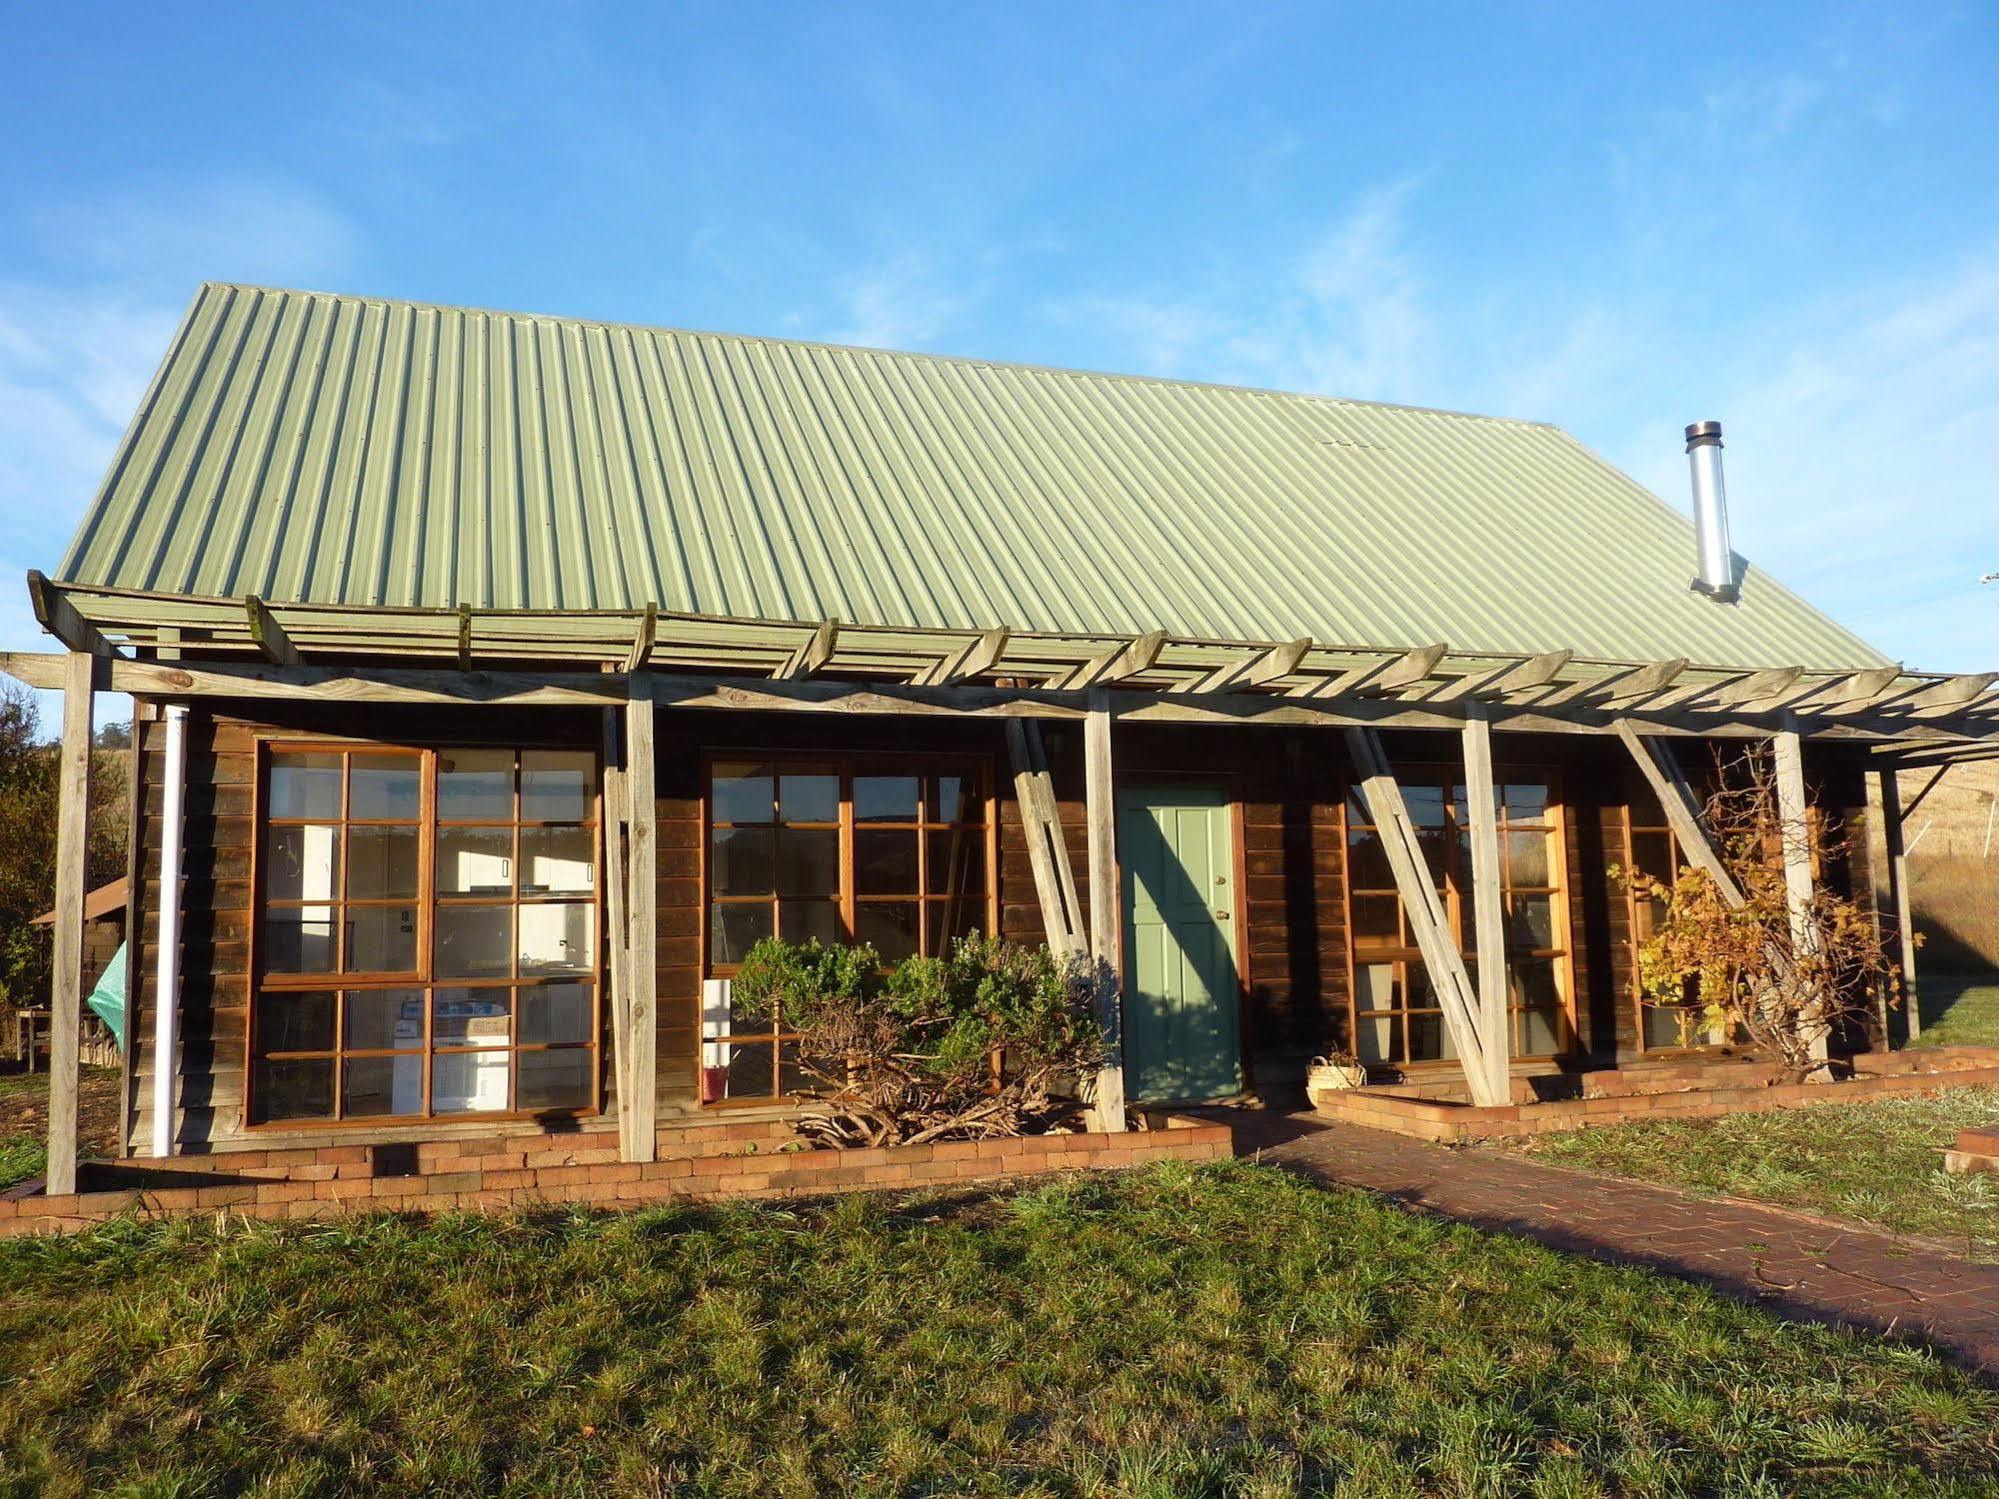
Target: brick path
1804	1268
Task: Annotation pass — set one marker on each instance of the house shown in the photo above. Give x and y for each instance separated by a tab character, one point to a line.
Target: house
501	679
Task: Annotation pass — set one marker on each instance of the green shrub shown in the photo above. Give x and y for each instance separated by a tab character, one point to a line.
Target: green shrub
973	1043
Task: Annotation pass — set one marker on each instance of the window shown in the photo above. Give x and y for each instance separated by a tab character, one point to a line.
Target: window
1653	848
889	851
1398	1017
428	943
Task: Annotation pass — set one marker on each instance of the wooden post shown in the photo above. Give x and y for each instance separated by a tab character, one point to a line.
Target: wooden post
1794	824
1488	904
1427	919
1047	853
617	815
1898	884
1106	924
72	849
642	923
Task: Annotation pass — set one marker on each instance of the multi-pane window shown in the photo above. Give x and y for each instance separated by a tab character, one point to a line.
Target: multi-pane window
889	851
428	944
1398	1017
1654	849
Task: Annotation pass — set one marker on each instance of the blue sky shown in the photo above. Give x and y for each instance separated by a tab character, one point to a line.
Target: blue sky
1787	218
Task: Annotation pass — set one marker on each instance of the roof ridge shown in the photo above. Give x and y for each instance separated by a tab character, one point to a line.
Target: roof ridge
972	360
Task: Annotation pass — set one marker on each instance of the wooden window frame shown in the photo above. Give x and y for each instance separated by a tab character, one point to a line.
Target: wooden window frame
1455	892
1633	830
423	979
846	765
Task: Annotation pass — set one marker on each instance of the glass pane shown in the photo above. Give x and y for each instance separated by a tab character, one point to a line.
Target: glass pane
1428	1040
743	861
889	925
470	1082
1377	921
556	785
384	1020
558	861
556	1079
792	1078
746	1071
1645	808
295	1022
955	863
808	861
299	939
471	1017
1378	1039
811	796
1530	921
884	861
1531	981
295	1090
381	863
1540	1033
380	939
734	930
475	861
1367	861
476	784
1377	986
1525	801
1426	804
811	921
555	1013
474	942
384	788
305	786
955	798
885	798
945	921
1527	859
1357	814
742	793
304	863
558	938
1436	849
373	1086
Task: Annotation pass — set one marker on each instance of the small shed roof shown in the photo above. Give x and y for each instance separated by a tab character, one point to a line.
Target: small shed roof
106	900
344	451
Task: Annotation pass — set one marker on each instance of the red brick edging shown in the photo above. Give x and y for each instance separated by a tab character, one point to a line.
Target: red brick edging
521	1171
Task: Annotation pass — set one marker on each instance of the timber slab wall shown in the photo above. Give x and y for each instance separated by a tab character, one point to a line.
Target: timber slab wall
1612	1097
520	1171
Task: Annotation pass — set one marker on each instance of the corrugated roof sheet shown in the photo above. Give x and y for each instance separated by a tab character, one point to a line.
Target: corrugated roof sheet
343	450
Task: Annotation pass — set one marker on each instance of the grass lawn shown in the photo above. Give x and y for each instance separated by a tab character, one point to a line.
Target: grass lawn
24	1099
1959	1010
1222	1330
1874	1161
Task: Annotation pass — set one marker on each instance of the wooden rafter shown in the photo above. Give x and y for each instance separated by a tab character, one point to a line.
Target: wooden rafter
59	617
464	637
642	639
812	654
1253	670
1124	660
1497	681
1752	687
974	658
1855	687
1385	675
1950	696
269	634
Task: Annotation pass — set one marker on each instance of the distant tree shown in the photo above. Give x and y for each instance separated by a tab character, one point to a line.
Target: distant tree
114	736
29	770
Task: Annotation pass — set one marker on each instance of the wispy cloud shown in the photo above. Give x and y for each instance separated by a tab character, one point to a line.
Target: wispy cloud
905	302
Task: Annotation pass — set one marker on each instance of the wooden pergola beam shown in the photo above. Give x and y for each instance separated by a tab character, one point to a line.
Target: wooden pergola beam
1424	910
970	660
1385	675
1114	665
1752	688
270	636
1662	772
1062	921
643	639
1488	903
642	927
1950	696
464	637
59	617
812	654
1253	670
1795	833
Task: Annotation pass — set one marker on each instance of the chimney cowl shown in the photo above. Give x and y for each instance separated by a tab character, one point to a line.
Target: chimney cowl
1716	578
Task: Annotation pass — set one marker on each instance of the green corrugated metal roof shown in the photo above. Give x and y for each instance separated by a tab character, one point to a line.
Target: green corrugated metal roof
343	450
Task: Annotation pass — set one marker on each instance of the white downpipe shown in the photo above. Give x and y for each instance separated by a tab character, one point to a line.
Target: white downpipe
166	988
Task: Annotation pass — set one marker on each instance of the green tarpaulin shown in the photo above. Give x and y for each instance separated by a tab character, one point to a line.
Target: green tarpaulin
108	998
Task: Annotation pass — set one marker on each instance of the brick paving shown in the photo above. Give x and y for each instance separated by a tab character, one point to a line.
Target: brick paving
1807	1269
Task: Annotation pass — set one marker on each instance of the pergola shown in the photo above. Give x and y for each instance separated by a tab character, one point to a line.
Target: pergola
174	648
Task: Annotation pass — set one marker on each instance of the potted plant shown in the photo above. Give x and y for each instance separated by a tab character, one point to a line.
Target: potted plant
1335	1072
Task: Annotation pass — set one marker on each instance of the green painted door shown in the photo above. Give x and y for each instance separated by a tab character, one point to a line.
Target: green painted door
1180	989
